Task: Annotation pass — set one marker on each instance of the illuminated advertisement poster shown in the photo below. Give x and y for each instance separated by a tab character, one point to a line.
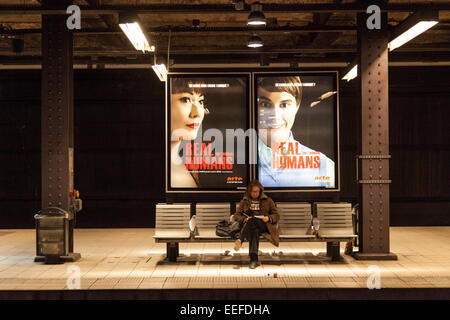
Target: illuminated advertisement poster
297	130
208	116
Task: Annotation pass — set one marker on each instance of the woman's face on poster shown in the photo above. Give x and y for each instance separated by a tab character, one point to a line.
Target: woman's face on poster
187	113
278	109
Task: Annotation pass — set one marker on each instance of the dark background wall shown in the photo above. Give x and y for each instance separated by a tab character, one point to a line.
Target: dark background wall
119	147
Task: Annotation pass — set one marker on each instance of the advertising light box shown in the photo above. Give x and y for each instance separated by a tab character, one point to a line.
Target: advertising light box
281	130
207	122
297	130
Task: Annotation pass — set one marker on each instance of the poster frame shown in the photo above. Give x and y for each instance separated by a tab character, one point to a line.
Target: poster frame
250	173
337	167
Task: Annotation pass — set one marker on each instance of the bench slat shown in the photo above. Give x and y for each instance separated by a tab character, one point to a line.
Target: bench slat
172	221
335	220
295	220
207	217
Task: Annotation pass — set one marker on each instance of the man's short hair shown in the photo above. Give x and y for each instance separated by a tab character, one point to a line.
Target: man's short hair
289	84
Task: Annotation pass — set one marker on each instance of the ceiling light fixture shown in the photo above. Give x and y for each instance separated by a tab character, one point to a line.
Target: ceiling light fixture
131	26
161	71
413	26
256	17
351	74
255	41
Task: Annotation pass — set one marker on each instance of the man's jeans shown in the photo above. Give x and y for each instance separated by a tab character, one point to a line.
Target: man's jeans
252	230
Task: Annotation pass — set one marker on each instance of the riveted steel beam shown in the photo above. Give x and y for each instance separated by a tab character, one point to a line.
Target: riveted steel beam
374	144
57	112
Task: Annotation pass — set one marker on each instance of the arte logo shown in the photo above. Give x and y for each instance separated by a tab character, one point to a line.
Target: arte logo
234	180
322	178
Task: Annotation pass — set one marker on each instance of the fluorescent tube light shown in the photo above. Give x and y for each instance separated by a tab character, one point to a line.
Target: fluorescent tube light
410	34
413	26
161	71
130	25
352	74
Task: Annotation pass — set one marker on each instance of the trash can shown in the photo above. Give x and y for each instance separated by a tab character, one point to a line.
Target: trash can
52	234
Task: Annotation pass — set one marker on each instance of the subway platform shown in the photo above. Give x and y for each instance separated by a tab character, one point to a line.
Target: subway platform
118	262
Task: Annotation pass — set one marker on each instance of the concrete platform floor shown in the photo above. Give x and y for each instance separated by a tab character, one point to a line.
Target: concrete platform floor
130	259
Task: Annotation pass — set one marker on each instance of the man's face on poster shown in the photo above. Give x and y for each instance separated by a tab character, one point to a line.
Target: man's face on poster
277	111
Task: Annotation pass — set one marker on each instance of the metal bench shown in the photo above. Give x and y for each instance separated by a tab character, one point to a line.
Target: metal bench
207	217
295	221
336	225
294	224
172	226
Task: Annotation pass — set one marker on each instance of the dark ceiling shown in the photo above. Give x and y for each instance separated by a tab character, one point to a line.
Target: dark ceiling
297	31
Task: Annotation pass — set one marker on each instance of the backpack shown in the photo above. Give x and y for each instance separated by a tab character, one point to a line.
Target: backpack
227	228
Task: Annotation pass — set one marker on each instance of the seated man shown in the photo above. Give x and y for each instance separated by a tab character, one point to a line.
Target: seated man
259	215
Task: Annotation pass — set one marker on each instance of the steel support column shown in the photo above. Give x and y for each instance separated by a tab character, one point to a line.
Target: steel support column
374	145
57	112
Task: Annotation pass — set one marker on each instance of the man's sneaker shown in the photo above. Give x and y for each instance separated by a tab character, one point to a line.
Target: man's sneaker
253	264
237	245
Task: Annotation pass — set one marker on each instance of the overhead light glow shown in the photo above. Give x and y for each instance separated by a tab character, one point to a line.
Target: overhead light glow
327	95
352	74
161	71
255	42
256	17
137	38
129	23
410	34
